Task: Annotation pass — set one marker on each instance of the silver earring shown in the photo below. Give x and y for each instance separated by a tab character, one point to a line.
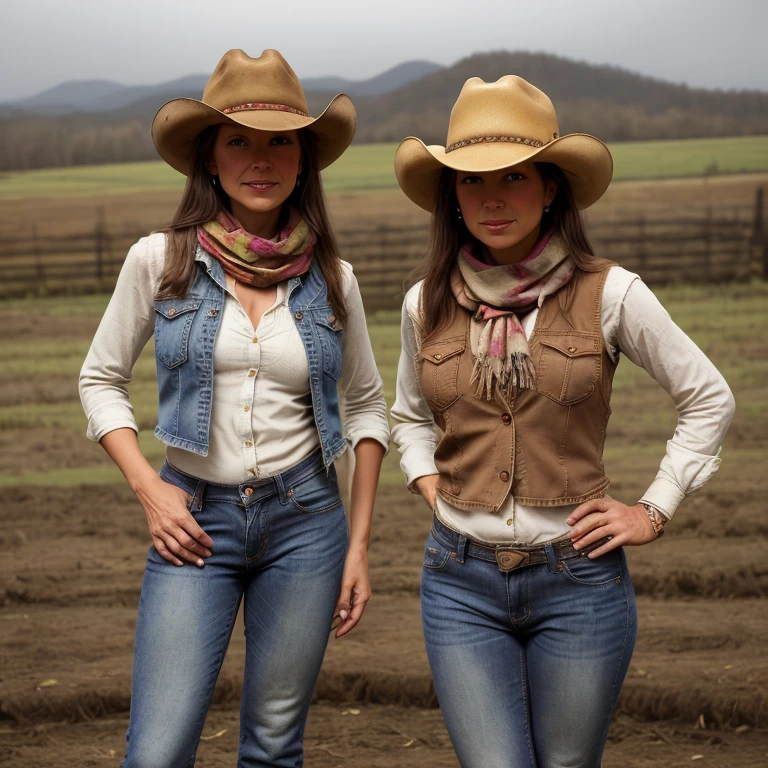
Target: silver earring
298	181
213	180
458	212
546	209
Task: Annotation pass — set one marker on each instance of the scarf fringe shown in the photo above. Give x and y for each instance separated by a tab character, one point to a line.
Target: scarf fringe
492	373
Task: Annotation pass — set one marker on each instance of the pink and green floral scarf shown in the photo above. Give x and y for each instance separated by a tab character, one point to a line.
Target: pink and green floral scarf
494	293
254	260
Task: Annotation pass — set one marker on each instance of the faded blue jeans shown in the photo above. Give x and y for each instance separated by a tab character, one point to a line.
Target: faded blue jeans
279	545
527	665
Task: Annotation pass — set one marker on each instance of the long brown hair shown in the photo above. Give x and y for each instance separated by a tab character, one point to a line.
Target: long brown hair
448	232
201	201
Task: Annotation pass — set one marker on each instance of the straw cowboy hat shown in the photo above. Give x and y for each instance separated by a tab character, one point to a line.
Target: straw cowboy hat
262	93
494	126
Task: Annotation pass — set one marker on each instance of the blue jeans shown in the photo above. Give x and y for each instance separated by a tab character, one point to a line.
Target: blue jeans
528	664
279	544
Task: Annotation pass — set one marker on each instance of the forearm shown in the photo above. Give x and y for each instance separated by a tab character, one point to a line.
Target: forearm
122	446
369	454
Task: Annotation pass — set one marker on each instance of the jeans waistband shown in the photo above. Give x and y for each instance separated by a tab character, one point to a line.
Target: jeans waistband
251	491
529	554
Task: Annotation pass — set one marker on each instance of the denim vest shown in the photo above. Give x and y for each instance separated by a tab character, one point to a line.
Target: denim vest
185	333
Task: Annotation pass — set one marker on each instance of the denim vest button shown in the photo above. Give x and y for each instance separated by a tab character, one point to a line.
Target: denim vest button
248	491
299	315
171	312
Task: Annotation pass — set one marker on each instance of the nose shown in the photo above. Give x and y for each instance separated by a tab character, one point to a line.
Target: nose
260	159
493	203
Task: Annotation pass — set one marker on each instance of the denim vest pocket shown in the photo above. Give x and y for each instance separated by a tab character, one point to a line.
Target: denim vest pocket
330	343
440	372
173	323
568	366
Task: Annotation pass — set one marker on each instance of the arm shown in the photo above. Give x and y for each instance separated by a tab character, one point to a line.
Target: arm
705	406
125	328
414	432
364	414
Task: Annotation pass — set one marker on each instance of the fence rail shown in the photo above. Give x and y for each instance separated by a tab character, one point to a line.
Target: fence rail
701	246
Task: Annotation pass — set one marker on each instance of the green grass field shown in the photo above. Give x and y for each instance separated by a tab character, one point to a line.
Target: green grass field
369	166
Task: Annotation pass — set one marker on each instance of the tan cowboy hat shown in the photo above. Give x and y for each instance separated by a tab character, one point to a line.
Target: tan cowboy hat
494	126
262	93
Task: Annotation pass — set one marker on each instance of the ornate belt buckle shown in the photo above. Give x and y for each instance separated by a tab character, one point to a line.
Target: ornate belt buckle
509	559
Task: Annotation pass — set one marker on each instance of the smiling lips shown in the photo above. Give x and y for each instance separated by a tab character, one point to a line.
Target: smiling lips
260	185
496	225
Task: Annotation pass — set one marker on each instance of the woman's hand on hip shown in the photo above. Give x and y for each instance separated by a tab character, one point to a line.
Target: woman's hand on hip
427	487
175	533
355	591
594	520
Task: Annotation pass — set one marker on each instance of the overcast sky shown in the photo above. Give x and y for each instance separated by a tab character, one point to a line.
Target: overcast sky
707	43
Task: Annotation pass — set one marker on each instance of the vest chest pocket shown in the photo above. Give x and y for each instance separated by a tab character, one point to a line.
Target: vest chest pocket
440	372
173	323
568	367
329	338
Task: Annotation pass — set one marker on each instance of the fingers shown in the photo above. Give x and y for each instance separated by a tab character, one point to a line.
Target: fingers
592	537
594	505
191	527
354	615
172	550
616	541
343	606
590	523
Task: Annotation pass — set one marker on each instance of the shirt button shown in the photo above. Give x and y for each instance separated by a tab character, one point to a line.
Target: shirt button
248	491
246	407
509	522
248	443
506	418
255	339
252	372
504	475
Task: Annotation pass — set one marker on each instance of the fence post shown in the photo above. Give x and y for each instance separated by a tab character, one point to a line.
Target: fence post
39	267
99	237
708	237
759	239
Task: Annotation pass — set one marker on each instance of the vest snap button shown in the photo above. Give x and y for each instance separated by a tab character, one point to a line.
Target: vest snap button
171	311
299	315
213	312
571	349
506	418
248	491
332	319
504	475
438	357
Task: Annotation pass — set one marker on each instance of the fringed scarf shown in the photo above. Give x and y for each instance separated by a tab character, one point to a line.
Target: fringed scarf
254	260
494	293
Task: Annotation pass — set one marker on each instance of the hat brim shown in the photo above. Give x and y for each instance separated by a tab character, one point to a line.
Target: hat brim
585	160
179	122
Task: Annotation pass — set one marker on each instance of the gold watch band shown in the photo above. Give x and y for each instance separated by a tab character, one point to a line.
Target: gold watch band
658	521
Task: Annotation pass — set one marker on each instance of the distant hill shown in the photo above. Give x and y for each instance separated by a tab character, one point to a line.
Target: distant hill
613	103
414	98
104	96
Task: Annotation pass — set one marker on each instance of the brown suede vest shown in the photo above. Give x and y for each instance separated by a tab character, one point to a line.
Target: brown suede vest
545	445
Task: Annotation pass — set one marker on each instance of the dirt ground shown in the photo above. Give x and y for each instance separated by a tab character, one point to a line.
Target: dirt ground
73	554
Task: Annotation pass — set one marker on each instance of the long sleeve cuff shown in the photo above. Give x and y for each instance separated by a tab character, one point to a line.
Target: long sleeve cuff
379	434
418	459
109	417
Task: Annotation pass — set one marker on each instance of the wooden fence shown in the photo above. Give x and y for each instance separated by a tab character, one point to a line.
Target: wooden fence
701	246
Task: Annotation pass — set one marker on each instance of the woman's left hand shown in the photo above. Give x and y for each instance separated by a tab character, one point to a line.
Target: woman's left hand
596	519
355	591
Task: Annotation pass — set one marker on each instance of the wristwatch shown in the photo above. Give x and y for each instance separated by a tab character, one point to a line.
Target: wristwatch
658	521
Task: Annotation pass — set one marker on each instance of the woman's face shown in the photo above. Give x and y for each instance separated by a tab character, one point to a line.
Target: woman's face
257	169
503	209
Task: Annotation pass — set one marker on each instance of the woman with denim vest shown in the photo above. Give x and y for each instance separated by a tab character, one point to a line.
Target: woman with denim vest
510	344
262	354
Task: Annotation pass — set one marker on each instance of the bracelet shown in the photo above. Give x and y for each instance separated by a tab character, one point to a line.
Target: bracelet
658	521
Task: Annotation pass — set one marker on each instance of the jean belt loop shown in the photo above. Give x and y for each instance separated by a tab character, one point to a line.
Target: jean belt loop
549	550
282	492
197	501
461	548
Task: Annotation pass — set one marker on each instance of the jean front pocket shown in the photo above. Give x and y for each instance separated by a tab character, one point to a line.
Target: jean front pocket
317	493
173	323
436	554
597	572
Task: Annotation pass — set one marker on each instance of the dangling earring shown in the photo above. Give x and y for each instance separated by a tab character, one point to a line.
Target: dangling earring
458	212
298	180
546	209
213	180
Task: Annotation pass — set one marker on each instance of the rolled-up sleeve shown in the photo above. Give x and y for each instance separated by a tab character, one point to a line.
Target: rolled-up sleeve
124	330
414	431
361	390
705	406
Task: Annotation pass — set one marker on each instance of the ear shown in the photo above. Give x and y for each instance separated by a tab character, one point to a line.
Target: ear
550	190
211	167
